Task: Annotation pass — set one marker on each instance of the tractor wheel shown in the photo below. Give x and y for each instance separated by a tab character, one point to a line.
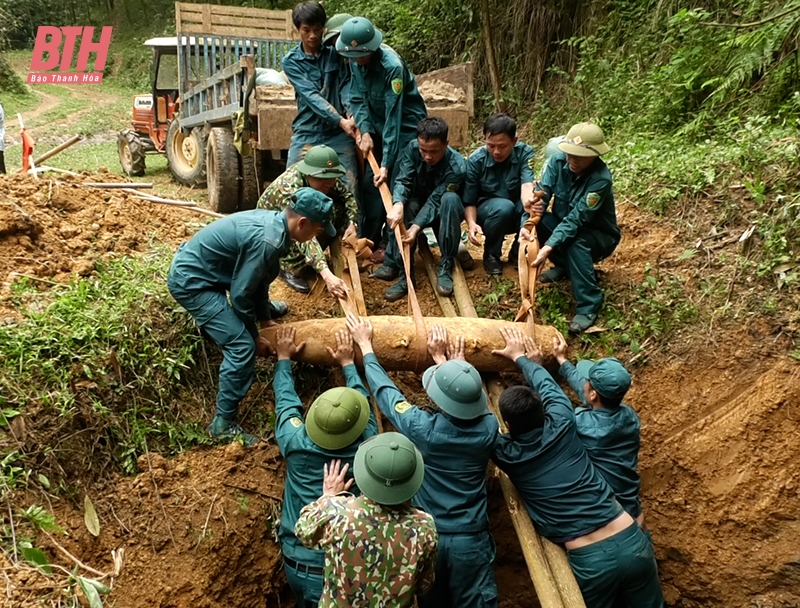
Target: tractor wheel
186	155
131	152
249	187
222	162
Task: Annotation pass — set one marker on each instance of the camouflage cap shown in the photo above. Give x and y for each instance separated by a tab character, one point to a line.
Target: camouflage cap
358	38
333	26
608	376
321	162
388	468
584	139
455	386
337	418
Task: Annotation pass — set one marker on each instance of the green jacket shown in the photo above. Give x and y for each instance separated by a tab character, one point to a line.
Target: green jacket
278	195
304	458
584	202
385	101
456	454
565	495
418	180
489	179
319	83
240	254
611	437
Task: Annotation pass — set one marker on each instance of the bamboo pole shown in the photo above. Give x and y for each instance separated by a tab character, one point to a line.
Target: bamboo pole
145	185
430	268
60	148
355	280
547	563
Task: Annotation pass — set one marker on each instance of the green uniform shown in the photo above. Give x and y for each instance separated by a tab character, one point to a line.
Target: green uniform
495	189
375	555
567	498
278	196
322	90
386	104
456	454
303	484
238	254
582	226
611	438
431	196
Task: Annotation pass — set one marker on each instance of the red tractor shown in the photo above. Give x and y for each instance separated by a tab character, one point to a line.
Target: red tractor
153	130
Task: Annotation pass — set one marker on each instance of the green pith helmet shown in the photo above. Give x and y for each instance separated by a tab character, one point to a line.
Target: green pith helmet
388	468
321	162
334	25
358	38
337	418
608	376
584	139
455	386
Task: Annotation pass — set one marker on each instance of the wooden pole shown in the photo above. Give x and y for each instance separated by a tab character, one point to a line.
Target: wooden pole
126	185
430	268
60	148
488	41
398	342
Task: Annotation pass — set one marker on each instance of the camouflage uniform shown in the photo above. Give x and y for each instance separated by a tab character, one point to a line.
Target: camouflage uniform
278	196
375	556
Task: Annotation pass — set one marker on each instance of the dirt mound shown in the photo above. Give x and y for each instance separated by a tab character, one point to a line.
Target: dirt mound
197	532
434	91
55	228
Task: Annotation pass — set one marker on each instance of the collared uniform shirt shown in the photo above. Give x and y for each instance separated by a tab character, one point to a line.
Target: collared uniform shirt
565	495
375	556
456	454
384	99
304	458
612	439
487	178
240	254
582	202
278	195
321	87
416	179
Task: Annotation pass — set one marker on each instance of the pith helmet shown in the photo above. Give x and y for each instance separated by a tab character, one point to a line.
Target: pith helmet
584	139
358	38
334	25
608	376
321	162
455	386
388	468
337	418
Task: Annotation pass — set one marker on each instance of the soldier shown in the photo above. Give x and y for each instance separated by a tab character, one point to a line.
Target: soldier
338	421
582	227
379	550
320	170
608	428
387	108
240	254
499	184
427	191
456	440
321	81
565	495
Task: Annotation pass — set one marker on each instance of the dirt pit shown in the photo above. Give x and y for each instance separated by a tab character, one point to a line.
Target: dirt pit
720	413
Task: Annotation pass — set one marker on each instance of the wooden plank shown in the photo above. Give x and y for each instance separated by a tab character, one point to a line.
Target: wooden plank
457	118
199	29
430	268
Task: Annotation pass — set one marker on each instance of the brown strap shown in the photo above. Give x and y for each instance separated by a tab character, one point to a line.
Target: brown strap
528	275
405	252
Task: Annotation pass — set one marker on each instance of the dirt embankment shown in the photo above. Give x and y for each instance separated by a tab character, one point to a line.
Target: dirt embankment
720	422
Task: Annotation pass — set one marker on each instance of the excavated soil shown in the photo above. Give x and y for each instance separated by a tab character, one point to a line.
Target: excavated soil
720	426
56	229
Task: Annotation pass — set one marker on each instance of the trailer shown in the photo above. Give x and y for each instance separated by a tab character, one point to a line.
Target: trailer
200	88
